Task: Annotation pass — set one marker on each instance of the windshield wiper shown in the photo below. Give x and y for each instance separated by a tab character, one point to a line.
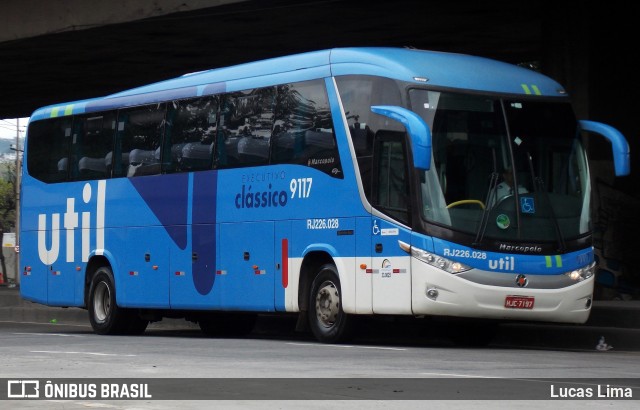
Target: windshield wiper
538	186
489	200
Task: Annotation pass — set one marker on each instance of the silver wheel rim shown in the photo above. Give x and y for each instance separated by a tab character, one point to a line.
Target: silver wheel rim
327	304
101	302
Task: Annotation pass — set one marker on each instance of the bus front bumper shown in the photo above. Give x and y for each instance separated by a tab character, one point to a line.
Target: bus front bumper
439	293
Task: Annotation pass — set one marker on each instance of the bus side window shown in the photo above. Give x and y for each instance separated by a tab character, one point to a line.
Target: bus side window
362	138
246	123
358	94
92	142
391	193
303	130
48	149
190	133
137	150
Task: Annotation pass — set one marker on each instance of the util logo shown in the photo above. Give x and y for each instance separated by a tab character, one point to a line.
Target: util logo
506	263
71	223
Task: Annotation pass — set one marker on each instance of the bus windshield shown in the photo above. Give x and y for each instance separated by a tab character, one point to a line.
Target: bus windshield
504	169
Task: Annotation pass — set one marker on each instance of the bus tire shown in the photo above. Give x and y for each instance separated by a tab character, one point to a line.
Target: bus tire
104	314
327	320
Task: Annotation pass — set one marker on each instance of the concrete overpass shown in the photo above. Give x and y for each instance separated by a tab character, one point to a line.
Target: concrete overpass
64	50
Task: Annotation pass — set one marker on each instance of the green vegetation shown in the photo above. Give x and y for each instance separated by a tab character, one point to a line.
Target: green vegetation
7	197
7	203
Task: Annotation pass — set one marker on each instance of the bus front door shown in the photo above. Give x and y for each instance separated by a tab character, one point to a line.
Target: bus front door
391	268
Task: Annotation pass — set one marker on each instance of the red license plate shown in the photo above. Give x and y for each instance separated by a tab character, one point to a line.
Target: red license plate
519	302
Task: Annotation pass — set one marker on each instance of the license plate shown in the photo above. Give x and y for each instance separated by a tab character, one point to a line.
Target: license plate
519	302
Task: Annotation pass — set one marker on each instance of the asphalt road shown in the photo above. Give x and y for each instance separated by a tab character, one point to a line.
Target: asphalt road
72	350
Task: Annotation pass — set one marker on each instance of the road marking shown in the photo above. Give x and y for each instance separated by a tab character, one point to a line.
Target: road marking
86	353
40	323
471	376
46	334
348	346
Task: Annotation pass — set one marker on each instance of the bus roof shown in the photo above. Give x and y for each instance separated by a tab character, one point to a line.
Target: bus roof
435	69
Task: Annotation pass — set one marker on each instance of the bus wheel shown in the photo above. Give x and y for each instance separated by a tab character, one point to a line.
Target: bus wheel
105	316
327	320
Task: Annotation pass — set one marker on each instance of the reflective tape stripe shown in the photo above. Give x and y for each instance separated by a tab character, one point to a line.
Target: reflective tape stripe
376	271
534	87
549	261
559	261
58	111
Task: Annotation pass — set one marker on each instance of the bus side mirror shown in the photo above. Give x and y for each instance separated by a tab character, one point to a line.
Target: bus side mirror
619	144
417	129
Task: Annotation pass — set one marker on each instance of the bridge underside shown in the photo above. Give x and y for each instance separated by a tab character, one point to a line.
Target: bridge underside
86	63
576	46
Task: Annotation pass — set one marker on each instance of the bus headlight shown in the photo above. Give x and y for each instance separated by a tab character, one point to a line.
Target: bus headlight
583	273
435	260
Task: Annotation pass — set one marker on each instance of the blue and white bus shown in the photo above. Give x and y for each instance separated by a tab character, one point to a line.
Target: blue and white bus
337	183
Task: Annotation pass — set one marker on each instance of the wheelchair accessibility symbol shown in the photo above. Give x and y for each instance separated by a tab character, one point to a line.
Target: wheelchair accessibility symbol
375	230
527	205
